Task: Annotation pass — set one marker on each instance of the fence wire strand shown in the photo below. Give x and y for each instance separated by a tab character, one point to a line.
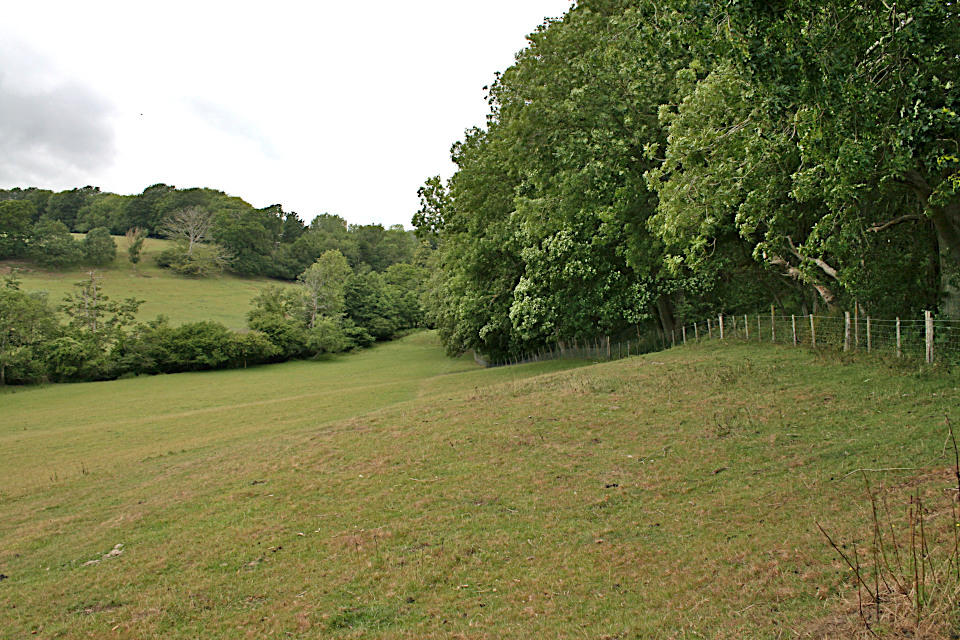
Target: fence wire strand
929	340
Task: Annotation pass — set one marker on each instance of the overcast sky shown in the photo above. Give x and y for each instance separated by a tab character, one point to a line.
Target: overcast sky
324	107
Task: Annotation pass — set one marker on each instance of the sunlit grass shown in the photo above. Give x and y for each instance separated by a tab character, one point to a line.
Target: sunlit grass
222	297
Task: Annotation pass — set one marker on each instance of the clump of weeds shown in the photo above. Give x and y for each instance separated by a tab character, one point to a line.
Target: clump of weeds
907	574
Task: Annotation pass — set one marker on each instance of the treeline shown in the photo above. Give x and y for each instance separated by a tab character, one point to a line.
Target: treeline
212	230
88	336
656	163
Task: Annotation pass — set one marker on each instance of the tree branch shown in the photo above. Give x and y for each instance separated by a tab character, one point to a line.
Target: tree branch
824	266
890	223
829	297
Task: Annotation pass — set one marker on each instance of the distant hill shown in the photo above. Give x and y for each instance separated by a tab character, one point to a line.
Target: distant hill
224	298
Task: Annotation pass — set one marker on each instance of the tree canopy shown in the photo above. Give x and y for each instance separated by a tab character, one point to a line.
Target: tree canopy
646	163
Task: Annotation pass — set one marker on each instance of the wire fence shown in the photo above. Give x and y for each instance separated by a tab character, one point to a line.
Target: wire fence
926	340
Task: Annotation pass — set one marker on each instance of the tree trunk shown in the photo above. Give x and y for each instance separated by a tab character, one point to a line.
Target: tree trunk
668	322
946	222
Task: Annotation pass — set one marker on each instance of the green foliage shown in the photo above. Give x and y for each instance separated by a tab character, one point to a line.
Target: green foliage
99	249
26	324
641	165
53	247
65	206
323	286
16	223
200	261
371	304
101	210
93	313
327	336
135	238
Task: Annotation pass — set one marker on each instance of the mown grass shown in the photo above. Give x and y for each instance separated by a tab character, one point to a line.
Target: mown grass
223	297
398	494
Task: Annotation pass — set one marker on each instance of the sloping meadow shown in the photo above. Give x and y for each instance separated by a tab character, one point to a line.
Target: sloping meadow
670	495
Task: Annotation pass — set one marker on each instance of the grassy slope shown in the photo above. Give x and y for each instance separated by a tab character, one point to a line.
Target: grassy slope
223	298
398	494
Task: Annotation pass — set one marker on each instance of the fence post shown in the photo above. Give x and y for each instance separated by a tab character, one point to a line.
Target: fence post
608	347
928	316
684	331
899	353
746	326
773	326
696	332
759	330
813	333
856	324
720	320
793	323
846	331
710	328
869	342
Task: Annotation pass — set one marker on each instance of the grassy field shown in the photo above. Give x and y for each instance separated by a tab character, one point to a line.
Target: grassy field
395	493
223	298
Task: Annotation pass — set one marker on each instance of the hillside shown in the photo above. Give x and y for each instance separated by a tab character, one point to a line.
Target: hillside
396	493
223	298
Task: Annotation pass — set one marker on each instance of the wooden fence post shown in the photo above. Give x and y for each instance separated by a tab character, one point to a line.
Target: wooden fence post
684	330
793	323
759	330
710	328
773	326
813	333
608	347
869	342
846	331
928	316
746	326
696	332
856	324
720	320
899	353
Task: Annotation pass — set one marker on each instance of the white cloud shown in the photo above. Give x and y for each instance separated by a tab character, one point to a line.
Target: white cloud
52	129
325	107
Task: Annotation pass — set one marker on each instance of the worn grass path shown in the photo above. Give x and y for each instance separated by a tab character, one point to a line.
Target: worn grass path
398	494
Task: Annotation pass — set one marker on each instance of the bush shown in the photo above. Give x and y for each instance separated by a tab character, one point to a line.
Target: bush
99	249
327	337
250	347
53	246
286	334
204	260
198	345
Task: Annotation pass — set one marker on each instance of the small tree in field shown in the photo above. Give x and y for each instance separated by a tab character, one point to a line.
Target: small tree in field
323	283
135	239
91	311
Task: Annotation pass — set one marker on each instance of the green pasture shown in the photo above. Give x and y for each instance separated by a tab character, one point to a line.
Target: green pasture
396	493
224	298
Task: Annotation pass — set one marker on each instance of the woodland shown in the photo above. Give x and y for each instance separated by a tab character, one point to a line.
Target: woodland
649	164
347	286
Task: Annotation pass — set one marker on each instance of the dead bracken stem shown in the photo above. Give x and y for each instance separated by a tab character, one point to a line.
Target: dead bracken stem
914	589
